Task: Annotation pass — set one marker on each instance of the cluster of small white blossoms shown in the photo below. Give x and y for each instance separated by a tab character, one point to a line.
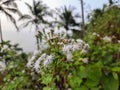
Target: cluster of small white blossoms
2	65
44	60
95	34
74	45
105	38
68	46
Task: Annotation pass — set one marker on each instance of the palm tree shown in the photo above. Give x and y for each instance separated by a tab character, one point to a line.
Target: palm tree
67	17
7	7
38	12
95	15
110	2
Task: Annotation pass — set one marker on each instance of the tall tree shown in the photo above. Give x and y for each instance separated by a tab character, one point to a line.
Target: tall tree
83	21
67	18
38	11
7	7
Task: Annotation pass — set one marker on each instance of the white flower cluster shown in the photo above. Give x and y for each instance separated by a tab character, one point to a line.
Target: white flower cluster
95	34
52	40
53	34
118	41
107	39
72	46
36	64
2	66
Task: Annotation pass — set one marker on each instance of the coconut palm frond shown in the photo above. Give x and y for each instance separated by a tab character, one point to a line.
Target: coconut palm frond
10	2
24	17
13	10
12	19
26	23
30	8
77	16
67	18
8	7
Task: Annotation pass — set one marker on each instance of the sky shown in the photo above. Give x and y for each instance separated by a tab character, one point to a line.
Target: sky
25	37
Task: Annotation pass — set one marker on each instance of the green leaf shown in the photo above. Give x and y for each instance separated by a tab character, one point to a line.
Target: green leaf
116	69
94	73
75	81
47	88
83	73
47	79
90	83
110	83
115	75
82	88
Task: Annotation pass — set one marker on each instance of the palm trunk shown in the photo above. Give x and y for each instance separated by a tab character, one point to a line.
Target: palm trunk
83	21
37	43
38	47
1	36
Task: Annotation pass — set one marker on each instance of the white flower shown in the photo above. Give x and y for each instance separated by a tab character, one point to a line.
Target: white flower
30	62
84	51
79	41
37	65
48	60
86	47
67	48
107	39
2	66
118	41
69	57
85	60
12	82
43	55
98	35
23	71
60	43
69	89
43	46
94	33
75	47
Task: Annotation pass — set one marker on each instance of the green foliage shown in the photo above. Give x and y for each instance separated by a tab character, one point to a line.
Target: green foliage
103	37
106	21
9	52
15	76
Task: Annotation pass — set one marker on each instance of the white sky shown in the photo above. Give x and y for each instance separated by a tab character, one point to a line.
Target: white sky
26	38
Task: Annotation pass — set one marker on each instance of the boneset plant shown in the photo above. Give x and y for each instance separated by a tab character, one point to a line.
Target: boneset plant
69	64
58	60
